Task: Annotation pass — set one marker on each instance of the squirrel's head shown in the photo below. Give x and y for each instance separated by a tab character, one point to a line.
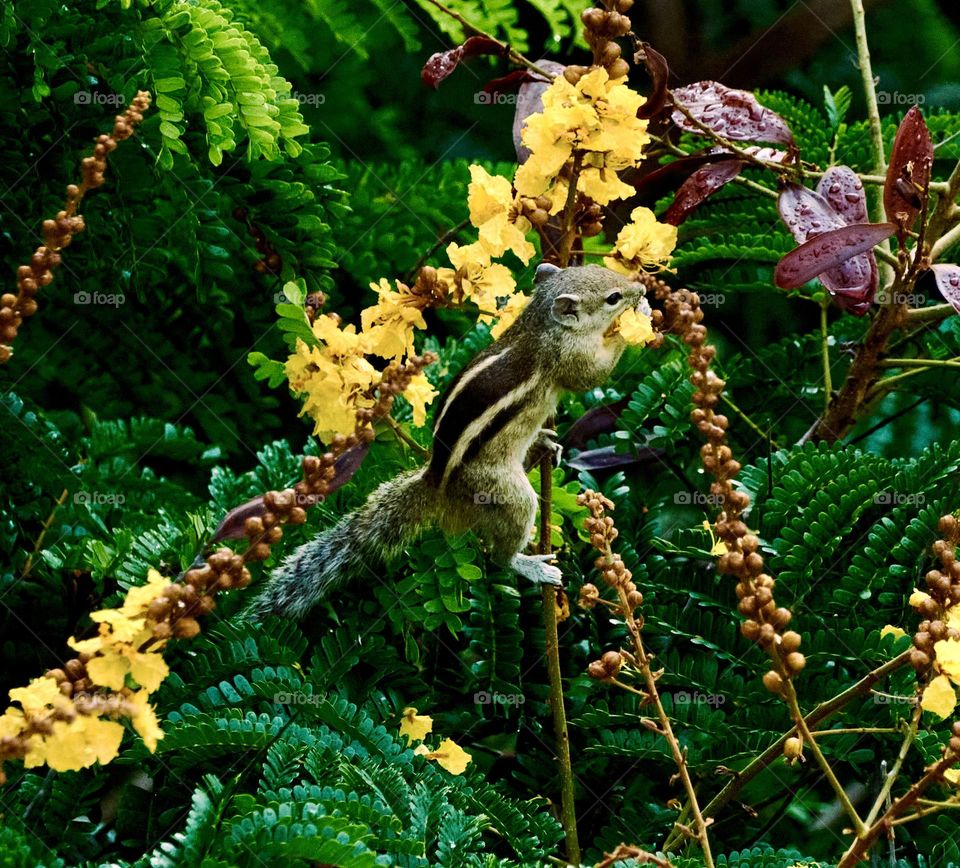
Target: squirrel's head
586	299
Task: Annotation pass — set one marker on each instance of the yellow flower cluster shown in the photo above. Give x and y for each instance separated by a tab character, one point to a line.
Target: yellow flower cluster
940	695
644	244
592	124
597	117
78	737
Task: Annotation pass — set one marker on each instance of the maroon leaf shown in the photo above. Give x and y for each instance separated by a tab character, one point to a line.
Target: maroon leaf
909	172
659	72
701	184
441	64
530	102
806	213
948	282
853	283
510	82
607	458
733	114
656	183
841	187
593	423
346	466
827	250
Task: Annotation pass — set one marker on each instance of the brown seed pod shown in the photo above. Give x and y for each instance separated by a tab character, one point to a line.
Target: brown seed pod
773	681
792	747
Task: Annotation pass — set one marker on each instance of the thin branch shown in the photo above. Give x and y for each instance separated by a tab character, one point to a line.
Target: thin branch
825	353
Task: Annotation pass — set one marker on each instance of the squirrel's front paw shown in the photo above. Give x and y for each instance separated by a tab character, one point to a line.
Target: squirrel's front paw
534	569
546	439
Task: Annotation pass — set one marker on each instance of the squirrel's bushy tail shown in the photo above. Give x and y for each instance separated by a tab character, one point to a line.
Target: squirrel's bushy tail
354	547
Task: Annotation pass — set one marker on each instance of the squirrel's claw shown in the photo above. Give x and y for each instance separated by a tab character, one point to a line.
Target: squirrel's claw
546	439
534	569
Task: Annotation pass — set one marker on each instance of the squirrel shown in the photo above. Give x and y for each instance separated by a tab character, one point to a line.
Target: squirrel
490	416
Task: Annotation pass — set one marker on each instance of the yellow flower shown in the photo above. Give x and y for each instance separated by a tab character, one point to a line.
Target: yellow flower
635	328
598	118
332	377
509	313
476	279
939	697
420	393
917	598
39	696
890	630
496	213
449	755
415	726
388	325
717	547
76	745
144	719
116	658
947	652
642	244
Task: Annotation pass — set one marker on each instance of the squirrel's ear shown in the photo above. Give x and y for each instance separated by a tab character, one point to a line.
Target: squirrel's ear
566	309
544	270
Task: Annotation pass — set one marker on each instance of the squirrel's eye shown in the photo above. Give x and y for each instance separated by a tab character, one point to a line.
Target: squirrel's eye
614	297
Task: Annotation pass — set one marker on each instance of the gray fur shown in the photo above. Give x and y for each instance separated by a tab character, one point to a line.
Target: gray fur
560	344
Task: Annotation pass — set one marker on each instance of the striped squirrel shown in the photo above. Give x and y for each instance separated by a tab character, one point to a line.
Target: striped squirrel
490	416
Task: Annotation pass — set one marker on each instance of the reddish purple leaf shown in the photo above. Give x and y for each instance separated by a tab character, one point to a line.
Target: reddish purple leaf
346	466
806	213
510	82
530	102
768	155
593	423
659	72
700	185
441	64
607	458
909	172
948	282
733	114
841	187
853	284
828	250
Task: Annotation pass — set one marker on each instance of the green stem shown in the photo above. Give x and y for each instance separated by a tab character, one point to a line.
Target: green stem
825	352
919	363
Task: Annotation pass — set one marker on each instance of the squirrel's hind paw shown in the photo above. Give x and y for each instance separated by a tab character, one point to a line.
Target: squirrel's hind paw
533	568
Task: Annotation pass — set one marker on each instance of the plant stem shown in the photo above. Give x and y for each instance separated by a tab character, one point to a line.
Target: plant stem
923	315
814	718
568	231
568	808
870	92
891	778
28	565
512	53
853	730
864	840
919	363
825	352
790	695
442	241
749	422
406	438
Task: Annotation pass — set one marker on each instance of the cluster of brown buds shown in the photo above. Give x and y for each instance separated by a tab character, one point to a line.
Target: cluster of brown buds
765	620
59	232
537	210
615	574
943	586
270	261
601	27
